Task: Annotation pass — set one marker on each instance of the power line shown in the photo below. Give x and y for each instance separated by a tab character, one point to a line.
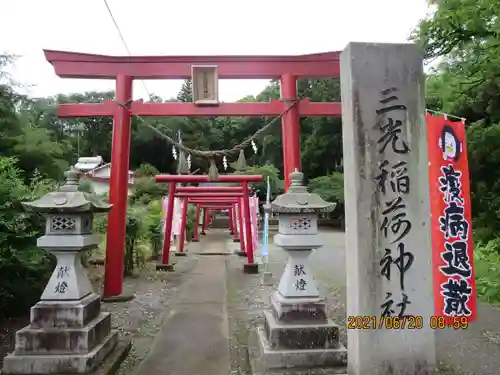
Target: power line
123	39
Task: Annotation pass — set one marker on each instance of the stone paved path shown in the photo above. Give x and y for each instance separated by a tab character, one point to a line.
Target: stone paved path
193	338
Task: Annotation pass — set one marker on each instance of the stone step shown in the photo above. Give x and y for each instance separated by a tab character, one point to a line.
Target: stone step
63	341
300	336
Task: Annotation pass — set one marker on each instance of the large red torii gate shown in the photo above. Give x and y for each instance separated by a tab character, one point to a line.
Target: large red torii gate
124	69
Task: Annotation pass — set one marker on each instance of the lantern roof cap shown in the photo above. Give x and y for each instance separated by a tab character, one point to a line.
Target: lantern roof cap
68	199
298	200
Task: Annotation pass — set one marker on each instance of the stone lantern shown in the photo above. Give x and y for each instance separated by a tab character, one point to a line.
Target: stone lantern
297	331
67	333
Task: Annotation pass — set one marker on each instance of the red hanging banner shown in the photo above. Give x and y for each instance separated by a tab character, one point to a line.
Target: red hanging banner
451	224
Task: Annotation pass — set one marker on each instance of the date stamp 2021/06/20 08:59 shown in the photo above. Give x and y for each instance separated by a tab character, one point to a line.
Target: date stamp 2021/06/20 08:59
406	322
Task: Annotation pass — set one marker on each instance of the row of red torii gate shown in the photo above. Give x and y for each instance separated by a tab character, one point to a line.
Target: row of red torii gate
205	72
211	199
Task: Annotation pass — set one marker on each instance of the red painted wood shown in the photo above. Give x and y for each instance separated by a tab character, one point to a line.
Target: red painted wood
290	129
204	178
208	195
240	221
118	192
305	108
83	65
248	227
216	207
235	225
168	223
196	225
213	199
209	189
182	235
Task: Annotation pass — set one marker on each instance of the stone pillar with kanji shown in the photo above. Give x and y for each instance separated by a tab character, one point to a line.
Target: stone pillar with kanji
297	332
68	333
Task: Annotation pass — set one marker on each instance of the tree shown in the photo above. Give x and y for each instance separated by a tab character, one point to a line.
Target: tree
465	35
146	169
186	93
330	187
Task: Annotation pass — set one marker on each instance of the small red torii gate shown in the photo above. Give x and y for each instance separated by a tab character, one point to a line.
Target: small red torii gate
124	69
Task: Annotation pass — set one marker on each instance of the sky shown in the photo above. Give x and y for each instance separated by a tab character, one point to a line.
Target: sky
190	27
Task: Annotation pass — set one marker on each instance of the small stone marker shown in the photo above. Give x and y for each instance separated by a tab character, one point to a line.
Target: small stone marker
67	333
388	246
297	333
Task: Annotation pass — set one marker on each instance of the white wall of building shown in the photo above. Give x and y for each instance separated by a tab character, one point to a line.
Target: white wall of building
102	187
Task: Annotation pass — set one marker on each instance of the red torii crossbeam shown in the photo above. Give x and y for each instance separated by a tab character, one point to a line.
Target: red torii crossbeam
124	69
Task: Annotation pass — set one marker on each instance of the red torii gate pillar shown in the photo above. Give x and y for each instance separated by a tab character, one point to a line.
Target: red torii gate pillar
118	190
182	236
290	128
196	224
206	219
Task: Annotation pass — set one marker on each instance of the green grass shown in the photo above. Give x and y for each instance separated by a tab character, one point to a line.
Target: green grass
487	269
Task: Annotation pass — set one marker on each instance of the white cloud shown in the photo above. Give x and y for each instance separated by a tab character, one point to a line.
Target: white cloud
175	27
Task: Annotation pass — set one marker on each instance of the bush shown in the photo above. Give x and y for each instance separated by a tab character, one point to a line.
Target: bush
154	232
100	223
85	186
146	190
146	169
133	229
265	171
190	222
140	221
331	189
487	270
24	269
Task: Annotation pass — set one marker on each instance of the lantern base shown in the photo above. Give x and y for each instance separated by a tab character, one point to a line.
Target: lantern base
165	267
80	363
71	337
195	240
236	240
180	254
241	253
300	335
267	360
297	336
299	309
118	298
252	268
52	314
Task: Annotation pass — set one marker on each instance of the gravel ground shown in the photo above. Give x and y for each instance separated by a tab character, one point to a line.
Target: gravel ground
141	317
474	351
